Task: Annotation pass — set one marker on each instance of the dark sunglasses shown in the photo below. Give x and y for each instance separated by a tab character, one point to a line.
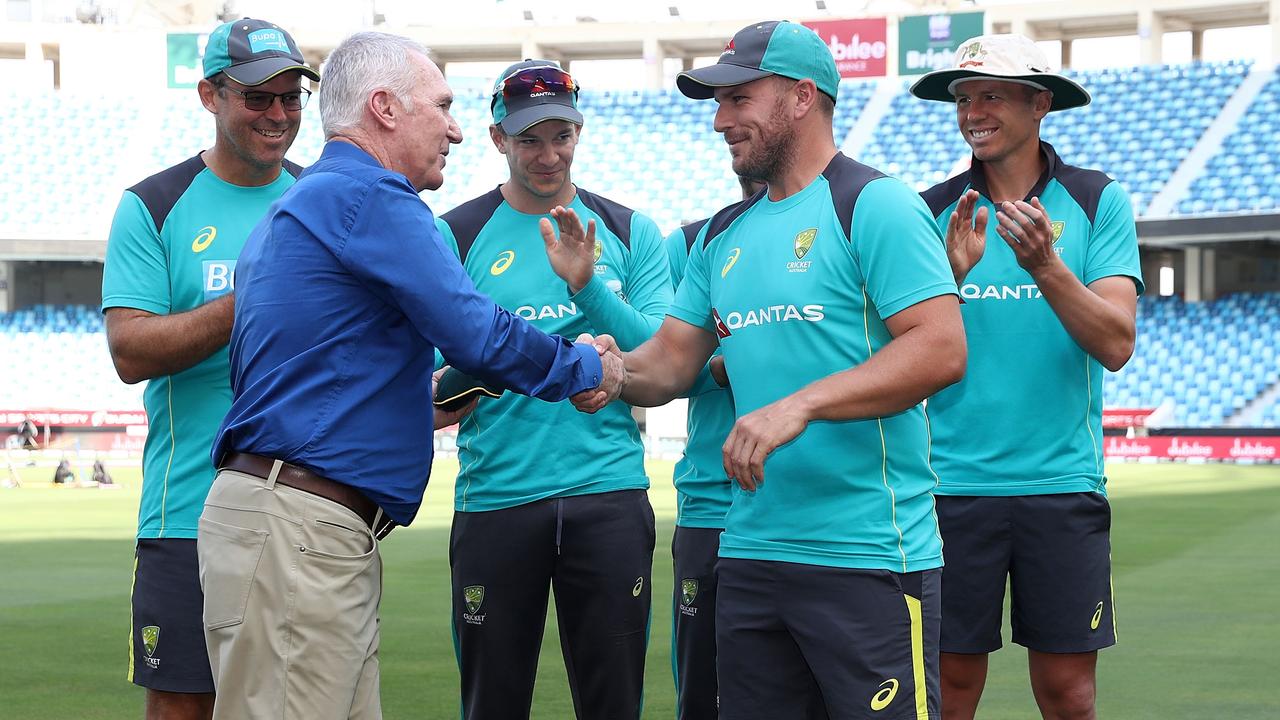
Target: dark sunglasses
258	100
528	81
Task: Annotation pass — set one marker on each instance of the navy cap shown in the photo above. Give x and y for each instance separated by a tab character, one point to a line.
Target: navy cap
763	49
252	52
550	97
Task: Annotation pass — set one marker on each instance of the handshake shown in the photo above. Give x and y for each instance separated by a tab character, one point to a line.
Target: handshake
613	376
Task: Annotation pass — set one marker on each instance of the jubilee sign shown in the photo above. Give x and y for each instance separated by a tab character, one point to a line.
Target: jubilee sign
859	45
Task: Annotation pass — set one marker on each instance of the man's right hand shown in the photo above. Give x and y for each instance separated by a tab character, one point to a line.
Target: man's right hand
612	378
966	235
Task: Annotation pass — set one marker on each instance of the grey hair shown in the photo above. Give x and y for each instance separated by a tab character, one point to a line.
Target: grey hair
361	64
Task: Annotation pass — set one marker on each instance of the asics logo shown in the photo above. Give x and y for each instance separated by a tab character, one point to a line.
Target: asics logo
1097	617
733	258
204	239
888	691
503	262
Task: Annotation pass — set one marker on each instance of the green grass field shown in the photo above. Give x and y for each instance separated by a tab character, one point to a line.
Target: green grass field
1197	579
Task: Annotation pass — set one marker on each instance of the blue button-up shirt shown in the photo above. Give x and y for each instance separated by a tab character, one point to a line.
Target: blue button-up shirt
344	291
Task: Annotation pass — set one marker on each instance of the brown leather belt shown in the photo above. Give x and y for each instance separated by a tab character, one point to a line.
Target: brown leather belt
307	481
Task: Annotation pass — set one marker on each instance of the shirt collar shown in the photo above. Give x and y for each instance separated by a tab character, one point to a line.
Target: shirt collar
978	177
348	151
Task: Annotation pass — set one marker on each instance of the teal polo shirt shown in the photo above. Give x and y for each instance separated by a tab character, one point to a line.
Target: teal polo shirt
1027	417
172	248
514	449
703	492
797	290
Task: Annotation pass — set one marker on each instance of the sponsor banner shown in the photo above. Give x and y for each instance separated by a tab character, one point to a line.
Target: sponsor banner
929	42
186	56
1126	417
1182	447
859	45
76	418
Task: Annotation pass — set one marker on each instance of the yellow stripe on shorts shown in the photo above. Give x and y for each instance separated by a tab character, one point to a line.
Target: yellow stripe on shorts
917	657
132	582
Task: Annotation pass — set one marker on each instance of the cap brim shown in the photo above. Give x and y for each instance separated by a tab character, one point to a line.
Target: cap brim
457	388
701	84
1067	93
521	120
256	72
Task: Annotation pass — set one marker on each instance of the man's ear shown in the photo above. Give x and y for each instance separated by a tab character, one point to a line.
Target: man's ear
208	95
385	107
806	97
1043	101
498	137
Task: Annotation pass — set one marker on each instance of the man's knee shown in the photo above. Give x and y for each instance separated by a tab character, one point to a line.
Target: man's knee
1065	685
963	672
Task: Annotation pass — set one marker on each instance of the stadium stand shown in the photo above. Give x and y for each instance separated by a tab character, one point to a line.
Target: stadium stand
1243	176
55	357
657	151
1211	359
1130	130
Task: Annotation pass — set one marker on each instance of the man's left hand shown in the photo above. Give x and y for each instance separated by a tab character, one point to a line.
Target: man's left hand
1026	228
573	253
445	418
757	434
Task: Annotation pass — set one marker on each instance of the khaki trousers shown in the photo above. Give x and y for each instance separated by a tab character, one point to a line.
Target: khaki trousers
292	583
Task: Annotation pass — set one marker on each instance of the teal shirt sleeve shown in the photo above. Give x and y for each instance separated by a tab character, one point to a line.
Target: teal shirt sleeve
647	287
1113	244
693	298
677	257
451	242
136	271
898	247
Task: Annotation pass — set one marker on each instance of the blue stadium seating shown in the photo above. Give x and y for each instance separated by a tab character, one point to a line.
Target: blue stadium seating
1131	130
1243	176
653	150
56	357
1209	358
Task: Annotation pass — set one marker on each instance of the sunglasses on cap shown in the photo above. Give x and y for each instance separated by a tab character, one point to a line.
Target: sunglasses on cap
528	82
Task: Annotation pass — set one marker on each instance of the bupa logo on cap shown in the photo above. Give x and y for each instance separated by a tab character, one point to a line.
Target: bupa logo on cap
266	40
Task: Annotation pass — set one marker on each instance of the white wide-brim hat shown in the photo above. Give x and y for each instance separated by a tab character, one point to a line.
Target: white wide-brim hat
1011	58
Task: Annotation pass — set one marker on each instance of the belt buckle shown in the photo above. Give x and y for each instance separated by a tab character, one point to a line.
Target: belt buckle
384	527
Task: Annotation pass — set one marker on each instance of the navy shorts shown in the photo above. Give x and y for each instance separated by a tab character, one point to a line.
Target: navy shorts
166	649
806	642
1055	553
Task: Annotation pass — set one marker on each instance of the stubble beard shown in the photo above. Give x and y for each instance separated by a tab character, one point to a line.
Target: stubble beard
776	153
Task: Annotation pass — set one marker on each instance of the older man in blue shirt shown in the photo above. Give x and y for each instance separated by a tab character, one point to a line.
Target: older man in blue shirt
345	292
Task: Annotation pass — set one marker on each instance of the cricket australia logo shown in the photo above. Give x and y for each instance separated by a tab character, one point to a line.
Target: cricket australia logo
972	55
599	251
804	241
1057	226
688	593
151	639
472	599
802	244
